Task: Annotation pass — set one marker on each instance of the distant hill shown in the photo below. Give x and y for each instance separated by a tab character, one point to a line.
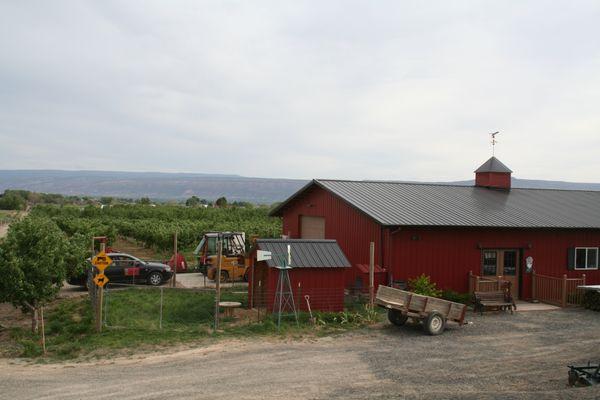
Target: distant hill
156	185
179	186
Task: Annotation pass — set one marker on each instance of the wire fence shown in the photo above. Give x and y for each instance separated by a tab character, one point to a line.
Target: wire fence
145	307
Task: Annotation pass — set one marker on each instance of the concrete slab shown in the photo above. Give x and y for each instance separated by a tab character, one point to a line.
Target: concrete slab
524	306
196	280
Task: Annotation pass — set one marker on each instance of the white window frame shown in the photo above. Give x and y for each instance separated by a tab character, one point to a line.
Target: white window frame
586	258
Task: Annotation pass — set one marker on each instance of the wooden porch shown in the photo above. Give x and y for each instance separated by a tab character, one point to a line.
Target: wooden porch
558	291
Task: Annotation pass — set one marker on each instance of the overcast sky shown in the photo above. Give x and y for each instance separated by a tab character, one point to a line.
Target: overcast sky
357	90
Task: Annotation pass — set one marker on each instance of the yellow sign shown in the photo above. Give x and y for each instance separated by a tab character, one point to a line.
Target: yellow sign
101	261
100	280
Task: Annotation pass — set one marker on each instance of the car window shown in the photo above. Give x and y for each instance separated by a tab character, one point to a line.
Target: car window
128	262
115	259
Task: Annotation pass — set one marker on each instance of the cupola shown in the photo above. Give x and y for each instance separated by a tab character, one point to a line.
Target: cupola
493	174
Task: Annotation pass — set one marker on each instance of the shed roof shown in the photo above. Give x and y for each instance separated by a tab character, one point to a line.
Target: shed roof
414	204
306	253
493	165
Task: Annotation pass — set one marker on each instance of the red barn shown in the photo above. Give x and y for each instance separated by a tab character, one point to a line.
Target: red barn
445	231
318	268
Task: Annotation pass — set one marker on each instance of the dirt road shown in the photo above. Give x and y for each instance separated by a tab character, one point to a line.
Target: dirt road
498	356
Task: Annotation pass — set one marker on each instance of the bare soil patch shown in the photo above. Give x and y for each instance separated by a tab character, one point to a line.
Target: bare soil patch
498	356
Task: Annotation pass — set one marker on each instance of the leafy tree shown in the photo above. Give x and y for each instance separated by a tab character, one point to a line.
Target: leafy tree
106	200
221	202
245	204
76	254
32	264
12	201
193	201
145	201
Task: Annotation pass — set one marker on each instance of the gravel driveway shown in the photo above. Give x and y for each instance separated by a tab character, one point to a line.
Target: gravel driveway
498	356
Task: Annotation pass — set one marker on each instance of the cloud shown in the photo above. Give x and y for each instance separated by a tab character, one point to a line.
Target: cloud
386	90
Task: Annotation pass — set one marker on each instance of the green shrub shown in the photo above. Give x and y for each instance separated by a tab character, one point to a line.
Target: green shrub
451	295
591	300
423	285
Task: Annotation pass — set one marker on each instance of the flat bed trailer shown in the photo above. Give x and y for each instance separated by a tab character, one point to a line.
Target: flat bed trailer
433	312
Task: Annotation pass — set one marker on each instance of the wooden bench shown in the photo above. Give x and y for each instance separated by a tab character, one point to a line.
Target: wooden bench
497	299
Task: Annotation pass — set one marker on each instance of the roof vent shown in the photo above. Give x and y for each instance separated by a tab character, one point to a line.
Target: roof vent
493	174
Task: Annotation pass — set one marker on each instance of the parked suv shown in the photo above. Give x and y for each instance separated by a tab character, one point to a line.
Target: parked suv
126	268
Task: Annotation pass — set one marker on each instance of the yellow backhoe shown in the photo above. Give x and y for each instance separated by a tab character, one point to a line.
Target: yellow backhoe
234	263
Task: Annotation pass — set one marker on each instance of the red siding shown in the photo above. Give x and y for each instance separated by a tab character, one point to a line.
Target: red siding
493	179
447	254
324	286
352	229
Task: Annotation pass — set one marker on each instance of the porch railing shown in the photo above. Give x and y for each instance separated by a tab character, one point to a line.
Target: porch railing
561	291
485	284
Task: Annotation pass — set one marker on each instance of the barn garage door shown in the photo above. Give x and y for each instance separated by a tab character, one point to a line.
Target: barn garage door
312	227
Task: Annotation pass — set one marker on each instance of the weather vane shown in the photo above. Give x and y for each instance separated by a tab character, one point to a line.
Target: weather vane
494	141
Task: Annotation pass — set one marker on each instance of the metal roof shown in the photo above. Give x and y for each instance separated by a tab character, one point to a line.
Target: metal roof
493	165
306	253
412	204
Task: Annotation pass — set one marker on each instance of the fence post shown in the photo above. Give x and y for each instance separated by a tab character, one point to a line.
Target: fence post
43	330
583	278
218	280
259	304
161	308
533	290
477	283
563	300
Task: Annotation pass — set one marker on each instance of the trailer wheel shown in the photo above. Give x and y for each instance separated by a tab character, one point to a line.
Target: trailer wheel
397	318
435	323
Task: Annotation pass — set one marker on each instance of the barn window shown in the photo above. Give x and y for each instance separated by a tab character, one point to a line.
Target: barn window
586	258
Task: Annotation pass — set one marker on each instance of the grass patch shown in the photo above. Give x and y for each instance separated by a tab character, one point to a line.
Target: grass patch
133	323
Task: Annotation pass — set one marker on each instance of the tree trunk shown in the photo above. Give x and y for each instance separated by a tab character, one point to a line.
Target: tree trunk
34	321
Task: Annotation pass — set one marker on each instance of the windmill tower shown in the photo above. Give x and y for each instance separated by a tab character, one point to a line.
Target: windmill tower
284	295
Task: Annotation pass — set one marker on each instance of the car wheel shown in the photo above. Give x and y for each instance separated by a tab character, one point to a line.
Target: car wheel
224	276
155	279
397	318
435	323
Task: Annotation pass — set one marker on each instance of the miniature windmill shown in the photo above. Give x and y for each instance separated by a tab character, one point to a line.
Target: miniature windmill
284	296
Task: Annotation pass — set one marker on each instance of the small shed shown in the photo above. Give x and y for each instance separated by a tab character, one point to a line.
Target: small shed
318	268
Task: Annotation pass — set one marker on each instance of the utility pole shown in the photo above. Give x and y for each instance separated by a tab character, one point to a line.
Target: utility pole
218	280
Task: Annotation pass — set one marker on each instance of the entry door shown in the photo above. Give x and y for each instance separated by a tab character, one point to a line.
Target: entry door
504	264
